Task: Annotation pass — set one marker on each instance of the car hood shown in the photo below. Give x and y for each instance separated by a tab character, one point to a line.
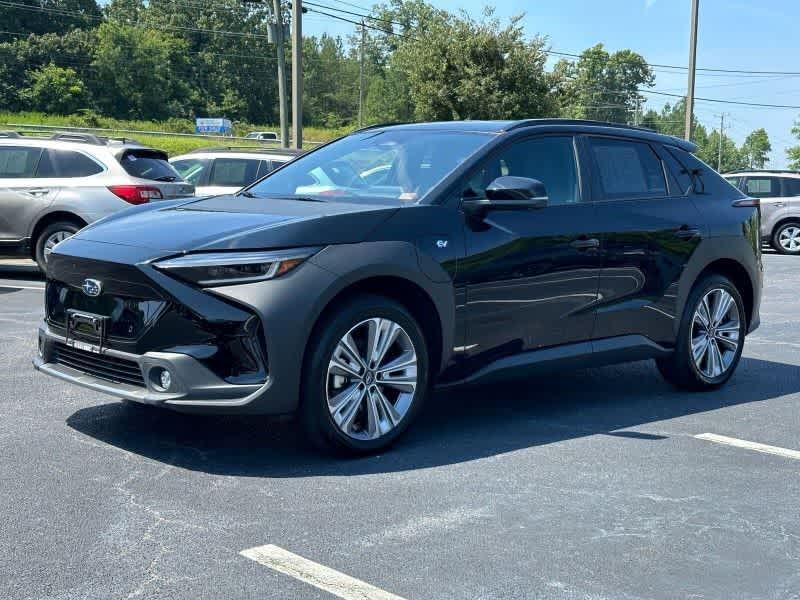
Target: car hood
238	223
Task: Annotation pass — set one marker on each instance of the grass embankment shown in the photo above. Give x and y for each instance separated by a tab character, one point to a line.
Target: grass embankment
171	144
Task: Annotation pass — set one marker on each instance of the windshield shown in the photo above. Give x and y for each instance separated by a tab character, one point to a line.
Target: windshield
393	166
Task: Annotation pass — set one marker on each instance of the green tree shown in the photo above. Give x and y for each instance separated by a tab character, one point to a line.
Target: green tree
461	68
56	16
793	153
143	72
55	89
733	159
603	86
756	148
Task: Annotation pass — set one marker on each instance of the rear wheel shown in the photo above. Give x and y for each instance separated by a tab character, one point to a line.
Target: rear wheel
786	238
710	339
51	235
365	377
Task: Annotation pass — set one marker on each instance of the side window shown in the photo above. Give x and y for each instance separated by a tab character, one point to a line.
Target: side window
234	172
627	169
763	187
551	160
734	181
17	162
791	187
191	170
74	164
680	177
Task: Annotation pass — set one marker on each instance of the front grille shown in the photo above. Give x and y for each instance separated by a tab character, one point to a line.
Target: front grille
102	366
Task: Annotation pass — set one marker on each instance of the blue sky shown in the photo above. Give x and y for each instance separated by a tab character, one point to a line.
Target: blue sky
733	34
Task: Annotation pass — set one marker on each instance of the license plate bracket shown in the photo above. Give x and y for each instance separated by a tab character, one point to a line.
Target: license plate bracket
86	331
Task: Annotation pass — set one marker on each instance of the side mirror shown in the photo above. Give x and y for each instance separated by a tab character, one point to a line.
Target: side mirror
508	193
516	188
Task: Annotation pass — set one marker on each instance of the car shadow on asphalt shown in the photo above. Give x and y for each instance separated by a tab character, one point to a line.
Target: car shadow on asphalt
456	426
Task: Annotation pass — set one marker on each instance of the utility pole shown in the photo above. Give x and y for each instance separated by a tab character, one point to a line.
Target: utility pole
282	99
297	73
361	75
692	64
721	136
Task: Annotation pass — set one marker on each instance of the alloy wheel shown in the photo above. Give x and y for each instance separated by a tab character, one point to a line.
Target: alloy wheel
53	239
789	238
371	379
715	336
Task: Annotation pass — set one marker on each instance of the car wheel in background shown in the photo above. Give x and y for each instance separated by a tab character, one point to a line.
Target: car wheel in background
50	236
365	376
710	339
786	238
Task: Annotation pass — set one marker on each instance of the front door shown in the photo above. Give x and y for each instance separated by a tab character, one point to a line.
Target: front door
530	275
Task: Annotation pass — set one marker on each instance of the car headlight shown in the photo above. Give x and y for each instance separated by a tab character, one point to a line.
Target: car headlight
229	268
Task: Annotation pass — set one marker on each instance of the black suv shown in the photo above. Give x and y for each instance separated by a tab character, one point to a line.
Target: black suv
349	282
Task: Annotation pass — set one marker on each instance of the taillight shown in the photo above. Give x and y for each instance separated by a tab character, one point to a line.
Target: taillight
136	194
747	202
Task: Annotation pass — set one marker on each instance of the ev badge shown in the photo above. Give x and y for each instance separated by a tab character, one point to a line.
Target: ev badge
441	243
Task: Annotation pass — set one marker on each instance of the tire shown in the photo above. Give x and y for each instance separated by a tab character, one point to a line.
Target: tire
345	392
53	230
786	238
712	369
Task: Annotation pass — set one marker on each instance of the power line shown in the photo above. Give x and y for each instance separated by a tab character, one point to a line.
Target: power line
349	12
706	69
720	101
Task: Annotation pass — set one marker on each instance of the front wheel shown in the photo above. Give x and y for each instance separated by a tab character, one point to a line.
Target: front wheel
786	238
365	377
710	339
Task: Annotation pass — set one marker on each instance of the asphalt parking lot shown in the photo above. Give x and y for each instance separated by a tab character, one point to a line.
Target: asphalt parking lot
589	484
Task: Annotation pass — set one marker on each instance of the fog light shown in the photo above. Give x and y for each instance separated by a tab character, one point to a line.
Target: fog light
165	379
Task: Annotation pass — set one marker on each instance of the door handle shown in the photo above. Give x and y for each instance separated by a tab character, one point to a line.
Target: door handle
585	243
37	191
686	232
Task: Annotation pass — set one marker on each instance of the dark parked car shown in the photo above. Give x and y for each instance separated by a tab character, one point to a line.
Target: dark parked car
484	250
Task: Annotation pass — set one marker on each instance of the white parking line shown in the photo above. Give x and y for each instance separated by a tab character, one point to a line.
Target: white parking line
318	575
729	441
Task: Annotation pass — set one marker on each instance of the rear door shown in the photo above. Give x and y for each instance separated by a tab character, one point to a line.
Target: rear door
650	227
23	194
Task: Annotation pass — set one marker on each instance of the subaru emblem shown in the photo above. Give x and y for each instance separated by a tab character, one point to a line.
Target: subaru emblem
92	287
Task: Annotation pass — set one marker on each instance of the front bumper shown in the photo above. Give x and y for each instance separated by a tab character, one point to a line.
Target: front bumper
194	387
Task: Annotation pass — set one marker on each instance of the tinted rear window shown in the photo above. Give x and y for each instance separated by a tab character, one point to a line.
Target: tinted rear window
66	163
627	169
763	187
791	187
18	161
148	164
234	172
705	179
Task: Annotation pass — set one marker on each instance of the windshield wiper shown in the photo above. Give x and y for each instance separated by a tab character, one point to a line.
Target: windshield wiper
248	195
166	178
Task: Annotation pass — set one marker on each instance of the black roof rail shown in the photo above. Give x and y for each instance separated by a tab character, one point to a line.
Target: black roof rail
261	149
84	138
10	134
783	171
558	121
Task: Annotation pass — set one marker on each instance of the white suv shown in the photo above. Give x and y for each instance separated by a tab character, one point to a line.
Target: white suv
50	187
779	192
215	171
